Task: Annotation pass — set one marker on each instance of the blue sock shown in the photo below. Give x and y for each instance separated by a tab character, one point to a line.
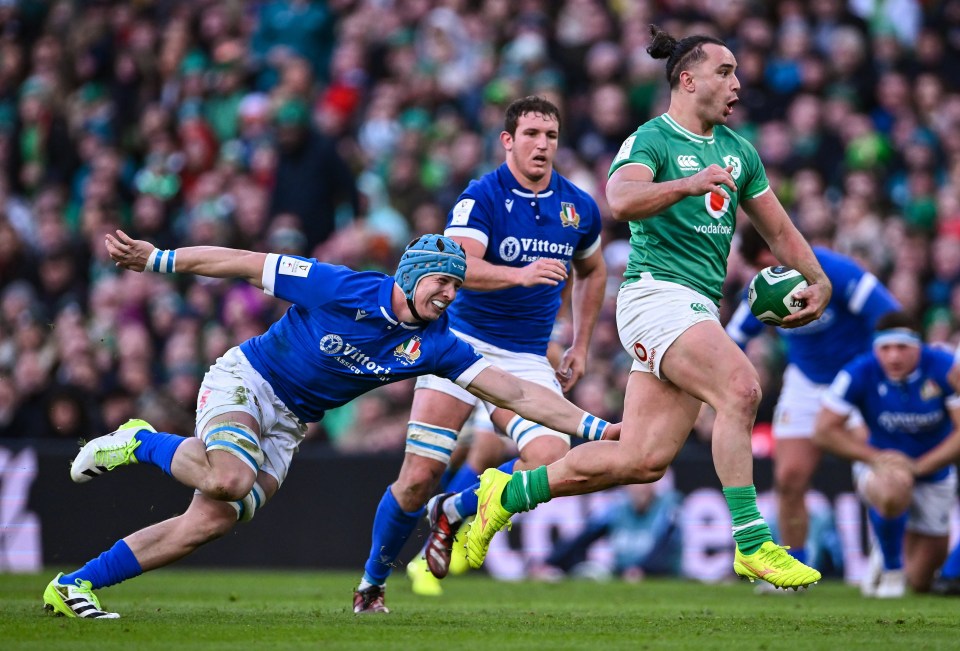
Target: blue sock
391	529
466	476
112	566
800	554
466	501
889	532
157	448
951	568
507	466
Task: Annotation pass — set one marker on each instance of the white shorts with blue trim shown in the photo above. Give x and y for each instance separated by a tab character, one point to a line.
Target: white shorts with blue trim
231	385
527	366
930	506
795	415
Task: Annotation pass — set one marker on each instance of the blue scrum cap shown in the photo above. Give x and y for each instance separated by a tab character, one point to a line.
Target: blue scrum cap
430	254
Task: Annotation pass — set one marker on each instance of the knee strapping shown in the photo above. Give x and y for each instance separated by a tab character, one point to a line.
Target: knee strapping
430	441
236	439
247	507
522	431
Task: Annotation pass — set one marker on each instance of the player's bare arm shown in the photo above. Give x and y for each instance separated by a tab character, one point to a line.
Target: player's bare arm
830	434
590	279
791	249
211	261
947	452
483	276
632	193
532	401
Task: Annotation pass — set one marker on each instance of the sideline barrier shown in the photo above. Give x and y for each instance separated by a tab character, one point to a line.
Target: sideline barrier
322	515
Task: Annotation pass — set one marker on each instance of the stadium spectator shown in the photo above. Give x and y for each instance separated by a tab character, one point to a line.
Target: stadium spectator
255	400
904	471
667	310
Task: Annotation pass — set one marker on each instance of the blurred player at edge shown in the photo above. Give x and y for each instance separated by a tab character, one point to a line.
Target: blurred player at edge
904	472
815	354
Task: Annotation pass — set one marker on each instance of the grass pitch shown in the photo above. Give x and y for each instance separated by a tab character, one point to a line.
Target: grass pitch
231	610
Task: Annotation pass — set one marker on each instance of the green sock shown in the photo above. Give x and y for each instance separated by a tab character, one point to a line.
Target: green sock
525	490
749	529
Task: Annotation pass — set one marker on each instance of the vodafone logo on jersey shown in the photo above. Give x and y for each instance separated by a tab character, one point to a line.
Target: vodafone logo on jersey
640	352
717	204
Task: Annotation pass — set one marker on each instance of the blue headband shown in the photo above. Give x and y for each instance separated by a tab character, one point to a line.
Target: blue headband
904	336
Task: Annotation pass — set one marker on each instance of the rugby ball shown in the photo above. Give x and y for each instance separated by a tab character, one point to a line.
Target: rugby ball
770	295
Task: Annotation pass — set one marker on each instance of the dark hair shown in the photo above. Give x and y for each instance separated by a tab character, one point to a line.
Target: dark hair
528	104
892	320
751	243
681	54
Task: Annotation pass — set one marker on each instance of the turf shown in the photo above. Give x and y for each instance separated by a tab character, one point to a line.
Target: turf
188	609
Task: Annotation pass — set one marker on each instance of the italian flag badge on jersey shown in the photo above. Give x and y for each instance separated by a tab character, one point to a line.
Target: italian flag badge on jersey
409	351
568	215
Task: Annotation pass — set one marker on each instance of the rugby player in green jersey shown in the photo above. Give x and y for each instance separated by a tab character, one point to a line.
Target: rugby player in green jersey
678	181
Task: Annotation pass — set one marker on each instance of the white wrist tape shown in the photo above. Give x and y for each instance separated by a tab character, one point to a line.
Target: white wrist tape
162	261
591	427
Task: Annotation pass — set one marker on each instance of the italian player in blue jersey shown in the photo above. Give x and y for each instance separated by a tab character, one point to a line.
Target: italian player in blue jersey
679	181
815	354
346	333
523	226
904	472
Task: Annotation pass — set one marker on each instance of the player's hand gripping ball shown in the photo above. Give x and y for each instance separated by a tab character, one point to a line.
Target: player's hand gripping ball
771	294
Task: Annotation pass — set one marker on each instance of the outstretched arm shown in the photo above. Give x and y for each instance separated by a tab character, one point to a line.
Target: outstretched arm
212	261
539	404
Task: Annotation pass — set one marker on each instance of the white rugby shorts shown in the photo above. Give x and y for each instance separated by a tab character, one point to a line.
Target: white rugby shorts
527	366
232	384
652	314
930	506
795	415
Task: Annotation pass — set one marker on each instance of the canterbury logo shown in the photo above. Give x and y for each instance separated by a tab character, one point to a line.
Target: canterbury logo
688	162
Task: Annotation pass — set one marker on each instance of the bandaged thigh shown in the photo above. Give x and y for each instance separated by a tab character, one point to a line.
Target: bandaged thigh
430	441
248	506
236	439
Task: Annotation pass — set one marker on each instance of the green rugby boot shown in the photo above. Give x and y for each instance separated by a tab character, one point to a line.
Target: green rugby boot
491	516
772	563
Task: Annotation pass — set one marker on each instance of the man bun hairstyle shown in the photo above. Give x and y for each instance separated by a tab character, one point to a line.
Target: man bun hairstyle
529	104
680	55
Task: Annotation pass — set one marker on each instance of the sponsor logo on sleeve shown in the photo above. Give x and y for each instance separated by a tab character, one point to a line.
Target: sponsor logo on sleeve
461	212
625	149
293	267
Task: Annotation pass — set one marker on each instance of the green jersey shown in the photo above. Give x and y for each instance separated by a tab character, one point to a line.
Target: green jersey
688	242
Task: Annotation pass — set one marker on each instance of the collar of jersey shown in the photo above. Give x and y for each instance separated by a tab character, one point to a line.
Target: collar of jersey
686	133
511	182
385	298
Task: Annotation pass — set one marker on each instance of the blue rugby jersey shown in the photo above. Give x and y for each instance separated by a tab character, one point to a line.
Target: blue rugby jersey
910	416
340	338
519	227
845	330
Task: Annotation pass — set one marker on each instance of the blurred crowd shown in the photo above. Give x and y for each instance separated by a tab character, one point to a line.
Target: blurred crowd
338	129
